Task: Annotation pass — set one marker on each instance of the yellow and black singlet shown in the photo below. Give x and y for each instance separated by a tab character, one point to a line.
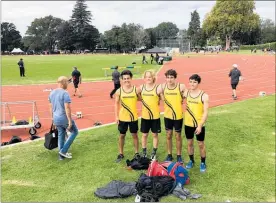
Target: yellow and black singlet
128	101
173	103
194	110
150	101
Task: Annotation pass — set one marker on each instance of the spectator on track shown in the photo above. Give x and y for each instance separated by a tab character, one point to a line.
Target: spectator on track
76	77
60	109
235	75
116	81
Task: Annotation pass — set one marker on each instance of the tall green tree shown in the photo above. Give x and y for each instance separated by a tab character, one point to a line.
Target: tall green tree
268	31
166	30
42	33
86	35
10	37
66	37
194	31
152	37
229	17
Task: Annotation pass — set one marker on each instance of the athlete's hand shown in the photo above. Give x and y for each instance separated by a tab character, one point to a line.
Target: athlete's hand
117	120
198	130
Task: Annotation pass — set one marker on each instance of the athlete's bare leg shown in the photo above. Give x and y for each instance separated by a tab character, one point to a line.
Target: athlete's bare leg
178	143
169	141
135	142
121	143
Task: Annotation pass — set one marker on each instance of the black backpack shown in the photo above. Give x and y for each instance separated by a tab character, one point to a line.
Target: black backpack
139	163
22	122
15	139
151	189
51	139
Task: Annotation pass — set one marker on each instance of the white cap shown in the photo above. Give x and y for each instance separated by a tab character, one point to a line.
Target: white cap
235	65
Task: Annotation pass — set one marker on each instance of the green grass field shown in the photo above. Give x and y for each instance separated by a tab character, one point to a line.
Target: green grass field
240	140
46	69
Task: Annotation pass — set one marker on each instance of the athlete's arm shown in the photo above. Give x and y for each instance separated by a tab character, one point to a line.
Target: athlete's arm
205	99
117	103
159	92
230	73
185	94
162	87
138	92
182	90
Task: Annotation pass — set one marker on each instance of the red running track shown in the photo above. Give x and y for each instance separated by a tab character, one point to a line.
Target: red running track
96	105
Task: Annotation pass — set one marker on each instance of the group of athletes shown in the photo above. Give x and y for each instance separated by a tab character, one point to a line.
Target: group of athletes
172	94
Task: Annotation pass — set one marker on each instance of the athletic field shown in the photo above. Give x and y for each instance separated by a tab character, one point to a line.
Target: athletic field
44	69
240	135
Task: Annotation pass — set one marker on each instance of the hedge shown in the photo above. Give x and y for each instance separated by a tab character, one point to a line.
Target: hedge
259	46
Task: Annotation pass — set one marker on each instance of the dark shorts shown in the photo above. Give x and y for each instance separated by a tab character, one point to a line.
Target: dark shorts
154	125
190	132
76	83
234	86
173	124
123	127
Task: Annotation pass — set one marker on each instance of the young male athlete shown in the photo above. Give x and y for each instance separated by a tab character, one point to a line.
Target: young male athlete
197	103
126	112
150	97
173	113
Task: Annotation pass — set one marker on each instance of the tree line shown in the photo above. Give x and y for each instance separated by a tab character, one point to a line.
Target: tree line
227	22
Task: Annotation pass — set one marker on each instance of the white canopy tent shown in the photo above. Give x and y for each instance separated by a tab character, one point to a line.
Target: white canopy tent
17	50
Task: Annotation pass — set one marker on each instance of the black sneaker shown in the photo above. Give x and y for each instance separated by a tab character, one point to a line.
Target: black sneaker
169	158
119	158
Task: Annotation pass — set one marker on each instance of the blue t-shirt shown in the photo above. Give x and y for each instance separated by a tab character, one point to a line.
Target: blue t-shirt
57	98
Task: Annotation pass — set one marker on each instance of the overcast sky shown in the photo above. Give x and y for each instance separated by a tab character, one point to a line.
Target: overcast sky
108	13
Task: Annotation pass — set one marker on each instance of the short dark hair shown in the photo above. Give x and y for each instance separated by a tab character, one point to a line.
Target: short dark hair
195	77
171	72
126	72
116	67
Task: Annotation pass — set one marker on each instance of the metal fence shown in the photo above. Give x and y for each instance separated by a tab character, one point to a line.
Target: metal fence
182	43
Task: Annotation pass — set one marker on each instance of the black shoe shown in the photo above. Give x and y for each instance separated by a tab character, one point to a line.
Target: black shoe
144	155
111	97
119	158
235	98
169	158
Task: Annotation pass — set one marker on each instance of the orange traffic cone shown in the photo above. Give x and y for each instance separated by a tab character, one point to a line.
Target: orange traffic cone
13	120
